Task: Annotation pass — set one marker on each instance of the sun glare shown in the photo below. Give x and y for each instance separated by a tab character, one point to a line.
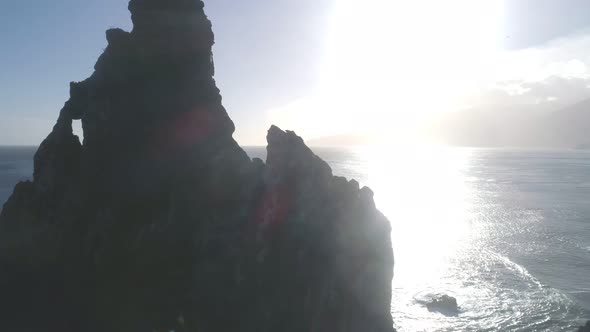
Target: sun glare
389	65
406	180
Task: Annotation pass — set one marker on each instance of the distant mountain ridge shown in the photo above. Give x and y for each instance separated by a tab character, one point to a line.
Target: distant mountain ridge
566	127
571	125
341	140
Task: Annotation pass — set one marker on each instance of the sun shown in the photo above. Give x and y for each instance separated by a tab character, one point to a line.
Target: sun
390	65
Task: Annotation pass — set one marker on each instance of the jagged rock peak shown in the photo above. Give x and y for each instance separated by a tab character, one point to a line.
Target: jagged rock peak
161	222
288	154
156	81
171	5
185	19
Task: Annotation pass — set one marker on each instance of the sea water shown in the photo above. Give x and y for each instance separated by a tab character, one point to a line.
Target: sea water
504	231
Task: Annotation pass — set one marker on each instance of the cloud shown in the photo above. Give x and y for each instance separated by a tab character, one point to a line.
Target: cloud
550	94
403	95
547	77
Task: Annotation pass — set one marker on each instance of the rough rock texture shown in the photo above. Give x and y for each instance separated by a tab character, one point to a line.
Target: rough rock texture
159	221
444	304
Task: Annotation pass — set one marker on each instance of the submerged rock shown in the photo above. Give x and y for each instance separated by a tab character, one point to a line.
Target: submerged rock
159	221
444	304
585	328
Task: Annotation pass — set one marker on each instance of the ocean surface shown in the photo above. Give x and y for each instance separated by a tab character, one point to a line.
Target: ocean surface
505	231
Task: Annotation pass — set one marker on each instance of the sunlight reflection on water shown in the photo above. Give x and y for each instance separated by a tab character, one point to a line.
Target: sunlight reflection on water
448	233
425	196
466	222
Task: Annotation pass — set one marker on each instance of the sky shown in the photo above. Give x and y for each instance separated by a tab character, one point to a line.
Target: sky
319	67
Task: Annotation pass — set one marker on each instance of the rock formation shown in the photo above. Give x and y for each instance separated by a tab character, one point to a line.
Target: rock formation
444	304
585	328
159	221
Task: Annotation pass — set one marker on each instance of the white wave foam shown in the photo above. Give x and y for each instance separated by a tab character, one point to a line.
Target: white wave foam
513	266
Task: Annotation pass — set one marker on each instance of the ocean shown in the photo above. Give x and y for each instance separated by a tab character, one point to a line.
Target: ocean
504	231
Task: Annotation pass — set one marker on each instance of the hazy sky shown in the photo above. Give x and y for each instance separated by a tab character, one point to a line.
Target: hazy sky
320	67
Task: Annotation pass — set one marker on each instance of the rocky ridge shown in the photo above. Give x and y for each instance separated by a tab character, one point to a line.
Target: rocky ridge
159	221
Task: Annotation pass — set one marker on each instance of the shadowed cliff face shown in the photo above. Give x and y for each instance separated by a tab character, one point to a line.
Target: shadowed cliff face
585	328
159	221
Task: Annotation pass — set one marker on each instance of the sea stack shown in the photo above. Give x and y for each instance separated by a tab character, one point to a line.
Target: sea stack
159	221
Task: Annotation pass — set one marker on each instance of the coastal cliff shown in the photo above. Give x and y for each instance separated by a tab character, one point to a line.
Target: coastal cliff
159	221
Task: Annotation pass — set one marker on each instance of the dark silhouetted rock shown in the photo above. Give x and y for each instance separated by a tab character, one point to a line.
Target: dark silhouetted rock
444	304
585	328
159	221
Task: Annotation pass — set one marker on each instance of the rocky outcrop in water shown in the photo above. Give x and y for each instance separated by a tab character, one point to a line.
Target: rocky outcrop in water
159	221
444	304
